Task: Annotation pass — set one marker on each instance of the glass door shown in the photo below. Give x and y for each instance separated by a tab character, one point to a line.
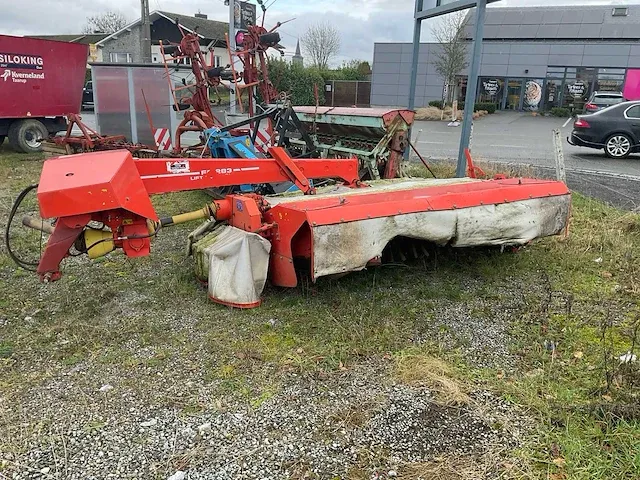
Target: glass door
514	94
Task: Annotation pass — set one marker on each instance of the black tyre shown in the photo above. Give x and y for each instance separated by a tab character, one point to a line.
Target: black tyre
1	139
27	135
618	145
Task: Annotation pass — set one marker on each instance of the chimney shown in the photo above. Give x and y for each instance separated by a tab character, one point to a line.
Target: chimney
201	15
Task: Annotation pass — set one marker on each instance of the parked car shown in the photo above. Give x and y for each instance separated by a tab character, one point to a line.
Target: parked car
87	96
616	129
599	100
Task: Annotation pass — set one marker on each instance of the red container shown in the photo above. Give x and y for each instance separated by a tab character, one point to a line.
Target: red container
40	78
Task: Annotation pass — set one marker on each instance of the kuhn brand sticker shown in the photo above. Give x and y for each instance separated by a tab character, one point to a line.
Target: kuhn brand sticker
178	167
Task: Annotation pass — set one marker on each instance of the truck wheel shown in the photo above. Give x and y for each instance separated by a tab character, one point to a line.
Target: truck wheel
27	135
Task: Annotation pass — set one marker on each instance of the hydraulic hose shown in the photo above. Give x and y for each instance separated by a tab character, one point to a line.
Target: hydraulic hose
7	233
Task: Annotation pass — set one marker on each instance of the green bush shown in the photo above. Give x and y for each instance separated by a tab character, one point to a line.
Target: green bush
560	112
489	107
297	81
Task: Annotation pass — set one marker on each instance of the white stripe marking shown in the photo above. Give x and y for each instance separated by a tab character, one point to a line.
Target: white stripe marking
165	175
567	122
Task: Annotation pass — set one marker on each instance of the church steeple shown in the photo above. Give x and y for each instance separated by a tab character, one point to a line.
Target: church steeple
297	58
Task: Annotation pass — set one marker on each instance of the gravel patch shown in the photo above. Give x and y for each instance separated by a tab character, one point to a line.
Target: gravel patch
478	327
311	428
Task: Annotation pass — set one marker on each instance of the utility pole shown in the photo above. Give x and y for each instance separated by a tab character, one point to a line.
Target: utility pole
472	85
417	28
232	50
145	37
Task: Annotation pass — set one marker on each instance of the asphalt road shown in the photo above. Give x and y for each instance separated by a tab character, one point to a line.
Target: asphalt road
508	137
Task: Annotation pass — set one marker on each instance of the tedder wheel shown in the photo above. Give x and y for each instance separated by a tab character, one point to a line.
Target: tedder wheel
618	145
27	135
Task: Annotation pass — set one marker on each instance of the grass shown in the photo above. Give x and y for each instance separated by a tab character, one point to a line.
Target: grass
574	306
433	373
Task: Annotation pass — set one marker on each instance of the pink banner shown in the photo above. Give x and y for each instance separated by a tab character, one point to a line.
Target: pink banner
632	85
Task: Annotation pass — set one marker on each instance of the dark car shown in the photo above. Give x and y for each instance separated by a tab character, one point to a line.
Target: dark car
599	100
616	129
87	96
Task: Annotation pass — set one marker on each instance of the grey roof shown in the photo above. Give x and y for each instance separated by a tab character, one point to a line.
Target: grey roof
84	38
568	22
211	29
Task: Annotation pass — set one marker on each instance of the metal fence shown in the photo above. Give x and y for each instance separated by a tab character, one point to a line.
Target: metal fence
347	93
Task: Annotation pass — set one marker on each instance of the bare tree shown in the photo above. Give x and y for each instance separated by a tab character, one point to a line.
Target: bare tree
321	42
451	58
107	22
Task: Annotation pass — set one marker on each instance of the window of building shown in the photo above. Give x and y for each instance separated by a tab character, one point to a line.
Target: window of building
555	72
633	112
553	93
461	86
217	61
490	90
620	12
118	57
610	80
532	100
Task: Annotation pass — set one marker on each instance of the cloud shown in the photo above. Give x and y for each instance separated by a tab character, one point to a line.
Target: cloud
361	23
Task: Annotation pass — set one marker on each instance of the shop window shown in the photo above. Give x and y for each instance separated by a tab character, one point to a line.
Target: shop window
532	100
461	85
576	92
578	87
491	90
610	80
553	93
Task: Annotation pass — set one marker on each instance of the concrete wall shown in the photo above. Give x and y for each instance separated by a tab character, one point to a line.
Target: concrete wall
127	42
392	64
156	56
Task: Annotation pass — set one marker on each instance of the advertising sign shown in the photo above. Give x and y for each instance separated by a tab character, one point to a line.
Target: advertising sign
577	89
532	95
244	14
491	87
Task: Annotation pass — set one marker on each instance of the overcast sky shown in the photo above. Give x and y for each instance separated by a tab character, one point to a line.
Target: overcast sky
361	22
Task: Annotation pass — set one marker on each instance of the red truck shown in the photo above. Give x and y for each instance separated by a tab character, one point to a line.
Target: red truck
40	82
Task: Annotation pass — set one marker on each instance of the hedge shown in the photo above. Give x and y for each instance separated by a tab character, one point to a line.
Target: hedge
489	107
560	112
298	80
